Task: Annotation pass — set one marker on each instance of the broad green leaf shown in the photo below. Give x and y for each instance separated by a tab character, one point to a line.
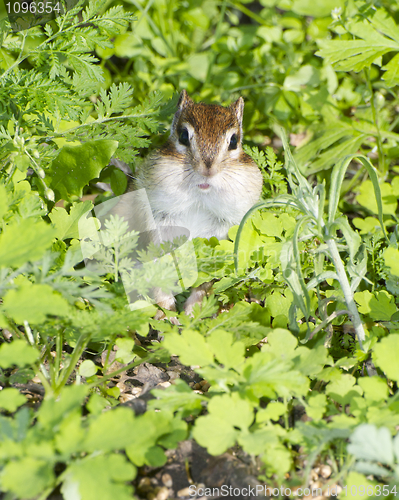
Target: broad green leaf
190	346
385	356
378	305
3	201
178	396
53	411
76	166
258	442
343	390
145	432
27	477
233	409
95	477
33	302
278	461
69	225
317	406
87	368
112	430
391	259
366	197
125	353
18	353
198	65
355	484
319	9
25	241
370	443
273	411
375	388
268	377
391	76
228	351
214	434
71	435
11	399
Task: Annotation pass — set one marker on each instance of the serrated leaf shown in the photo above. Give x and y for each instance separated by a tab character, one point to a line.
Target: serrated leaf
76	166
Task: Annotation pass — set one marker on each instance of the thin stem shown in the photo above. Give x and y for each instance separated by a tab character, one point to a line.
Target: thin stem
76	354
344	282
381	157
328	320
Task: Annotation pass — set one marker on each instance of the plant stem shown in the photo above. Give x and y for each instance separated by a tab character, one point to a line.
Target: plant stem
381	158
344	282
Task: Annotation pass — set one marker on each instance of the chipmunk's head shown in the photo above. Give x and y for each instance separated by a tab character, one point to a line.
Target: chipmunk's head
208	136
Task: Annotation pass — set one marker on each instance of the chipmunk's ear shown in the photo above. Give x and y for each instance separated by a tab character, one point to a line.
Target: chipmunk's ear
184	100
238	108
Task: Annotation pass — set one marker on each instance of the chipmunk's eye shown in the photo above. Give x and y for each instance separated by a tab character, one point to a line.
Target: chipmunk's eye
233	142
184	137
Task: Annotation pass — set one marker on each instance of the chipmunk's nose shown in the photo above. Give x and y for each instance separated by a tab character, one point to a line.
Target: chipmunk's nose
208	163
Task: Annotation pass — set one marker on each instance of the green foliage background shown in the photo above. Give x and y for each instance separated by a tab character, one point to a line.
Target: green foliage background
314	269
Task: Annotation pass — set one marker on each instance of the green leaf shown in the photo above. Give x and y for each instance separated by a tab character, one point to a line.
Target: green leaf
344	389
111	431
33	302
317	406
11	399
366	197
369	443
147	429
95	477
25	241
18	353
228	351
385	356
178	396
87	368
76	166
27	477
378	305
125	353
391	259
190	346
75	223
53	411
375	388
233	409
70	436
212	433
259	441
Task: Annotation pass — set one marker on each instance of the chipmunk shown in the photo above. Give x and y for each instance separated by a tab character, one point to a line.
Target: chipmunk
201	179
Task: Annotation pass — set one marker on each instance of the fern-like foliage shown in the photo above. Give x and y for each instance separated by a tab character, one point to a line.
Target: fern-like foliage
52	89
